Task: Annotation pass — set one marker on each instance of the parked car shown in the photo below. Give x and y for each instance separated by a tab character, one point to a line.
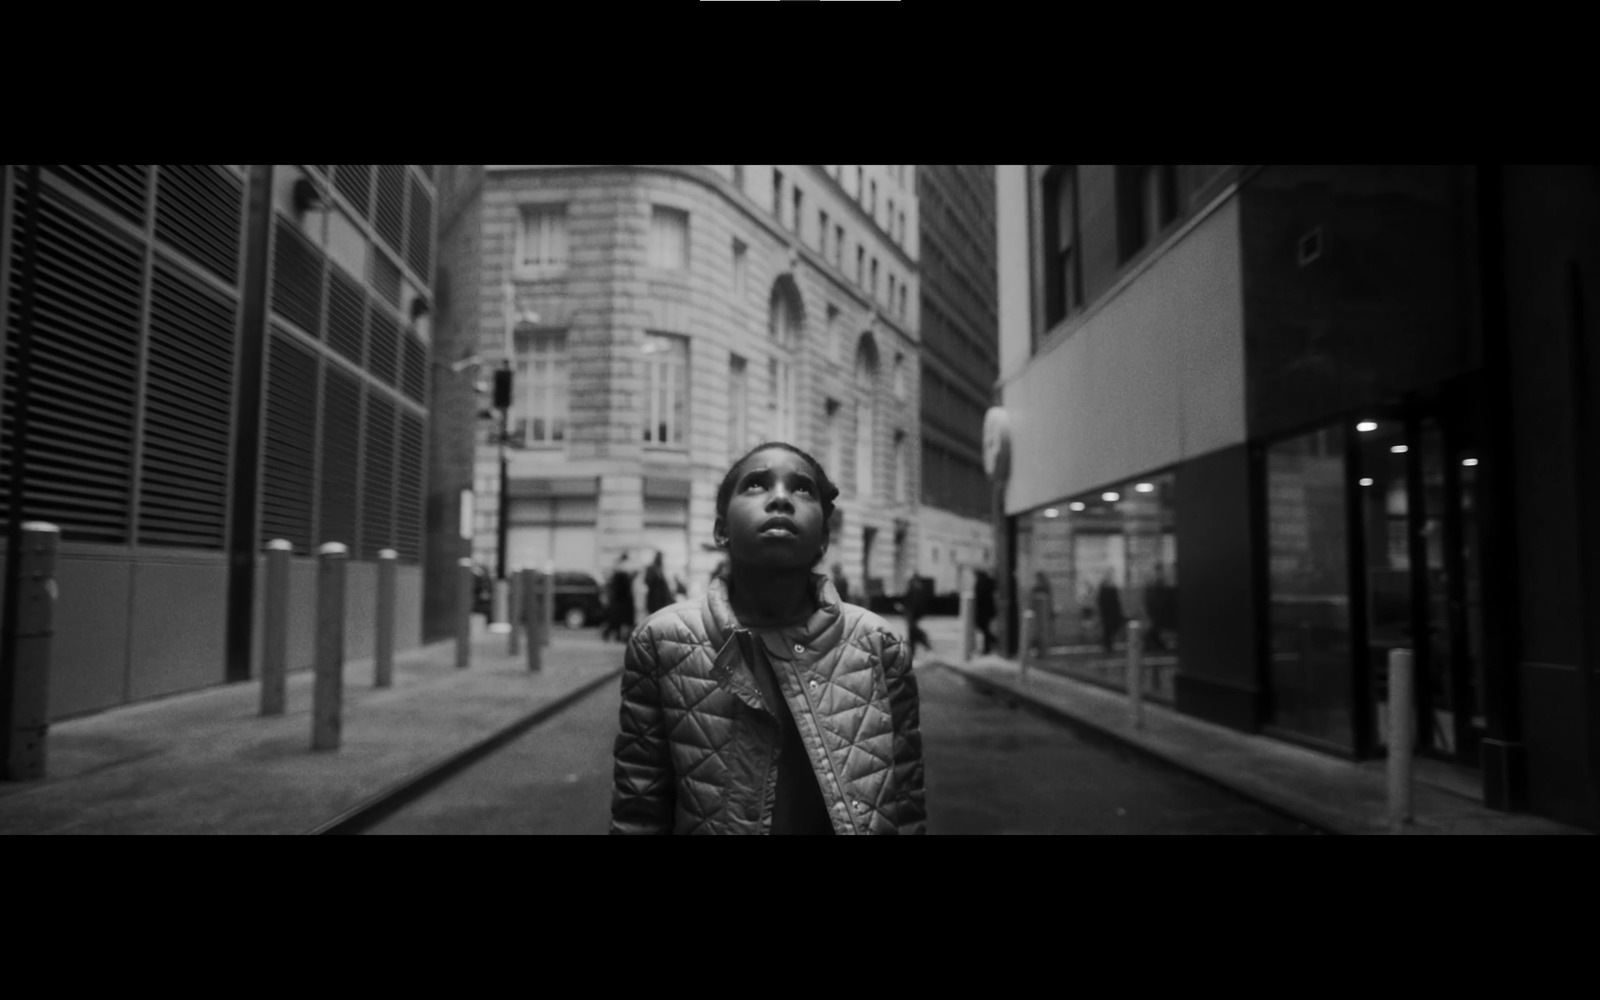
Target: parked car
578	601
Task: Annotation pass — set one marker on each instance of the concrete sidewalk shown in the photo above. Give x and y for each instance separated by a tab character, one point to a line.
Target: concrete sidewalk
1335	795
207	762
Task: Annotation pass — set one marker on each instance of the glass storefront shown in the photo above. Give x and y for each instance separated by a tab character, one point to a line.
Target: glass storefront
1088	565
1372	546
1308	581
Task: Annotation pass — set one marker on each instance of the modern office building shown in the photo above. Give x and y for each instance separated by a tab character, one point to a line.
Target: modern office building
220	356
660	320
1294	418
960	364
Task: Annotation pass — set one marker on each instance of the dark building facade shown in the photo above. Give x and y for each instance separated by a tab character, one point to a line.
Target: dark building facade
1292	418
220	356
960	364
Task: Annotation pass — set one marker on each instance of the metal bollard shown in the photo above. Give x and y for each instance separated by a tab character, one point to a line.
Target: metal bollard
29	725
1402	734
499	618
1025	648
275	637
464	614
967	626
532	603
1136	671
547	619
514	610
383	664
327	692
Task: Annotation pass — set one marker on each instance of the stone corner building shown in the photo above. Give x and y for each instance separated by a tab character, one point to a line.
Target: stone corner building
663	318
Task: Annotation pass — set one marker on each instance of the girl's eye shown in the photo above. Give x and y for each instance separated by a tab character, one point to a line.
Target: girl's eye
752	485
803	488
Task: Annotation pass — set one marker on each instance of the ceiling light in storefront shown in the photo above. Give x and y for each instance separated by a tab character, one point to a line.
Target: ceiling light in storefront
1366	482
1146	487
1367	425
1051	512
1111	496
1398	449
1076	505
1469	461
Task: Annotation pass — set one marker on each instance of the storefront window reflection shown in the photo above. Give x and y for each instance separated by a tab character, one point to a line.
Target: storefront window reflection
1087	565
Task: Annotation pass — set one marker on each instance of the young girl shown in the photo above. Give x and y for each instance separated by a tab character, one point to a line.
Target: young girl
769	706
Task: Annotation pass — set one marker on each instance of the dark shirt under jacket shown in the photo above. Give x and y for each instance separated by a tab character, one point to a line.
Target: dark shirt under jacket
797	808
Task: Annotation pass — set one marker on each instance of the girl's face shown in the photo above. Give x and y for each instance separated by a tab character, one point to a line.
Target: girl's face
774	516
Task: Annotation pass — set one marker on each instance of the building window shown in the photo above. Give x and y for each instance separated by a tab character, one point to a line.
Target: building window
889	219
866	378
542	237
777	195
669	238
861	186
738	407
872	201
903	315
897	467
741	265
832	446
1147	202
539	411
1063	270
831	334
838	247
874	279
900	377
1087	565
738	178
902	225
861	266
822	233
799	210
666	397
784	326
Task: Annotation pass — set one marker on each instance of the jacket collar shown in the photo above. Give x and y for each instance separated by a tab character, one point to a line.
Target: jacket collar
777	641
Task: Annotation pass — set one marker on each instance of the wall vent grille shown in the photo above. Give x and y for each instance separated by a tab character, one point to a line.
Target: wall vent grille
383	346
341	428
88	287
200	212
389	219
354	181
188	406
419	233
296	278
414	369
408	492
378	477
124	188
289	459
346	302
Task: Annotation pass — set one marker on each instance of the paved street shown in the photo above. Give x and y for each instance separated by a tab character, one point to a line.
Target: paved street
991	769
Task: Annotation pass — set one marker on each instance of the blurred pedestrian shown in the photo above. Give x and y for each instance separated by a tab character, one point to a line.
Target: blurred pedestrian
983	607
1108	601
1160	601
742	709
1043	603
916	605
620	612
840	584
658	594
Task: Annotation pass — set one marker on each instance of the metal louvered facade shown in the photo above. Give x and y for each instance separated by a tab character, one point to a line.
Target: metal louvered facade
201	382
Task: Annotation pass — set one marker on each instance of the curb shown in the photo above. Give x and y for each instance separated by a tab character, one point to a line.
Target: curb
999	689
387	801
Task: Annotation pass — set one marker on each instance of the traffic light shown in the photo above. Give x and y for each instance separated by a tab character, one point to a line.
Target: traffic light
502	388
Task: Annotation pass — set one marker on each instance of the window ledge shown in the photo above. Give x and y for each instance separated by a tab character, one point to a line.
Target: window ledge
526	272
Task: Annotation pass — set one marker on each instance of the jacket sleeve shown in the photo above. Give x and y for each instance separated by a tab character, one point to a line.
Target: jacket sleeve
643	789
904	708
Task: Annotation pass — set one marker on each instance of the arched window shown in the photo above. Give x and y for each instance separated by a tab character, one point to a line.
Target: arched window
866	378
784	321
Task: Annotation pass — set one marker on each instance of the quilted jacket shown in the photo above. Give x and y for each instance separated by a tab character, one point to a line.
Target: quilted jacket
697	748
